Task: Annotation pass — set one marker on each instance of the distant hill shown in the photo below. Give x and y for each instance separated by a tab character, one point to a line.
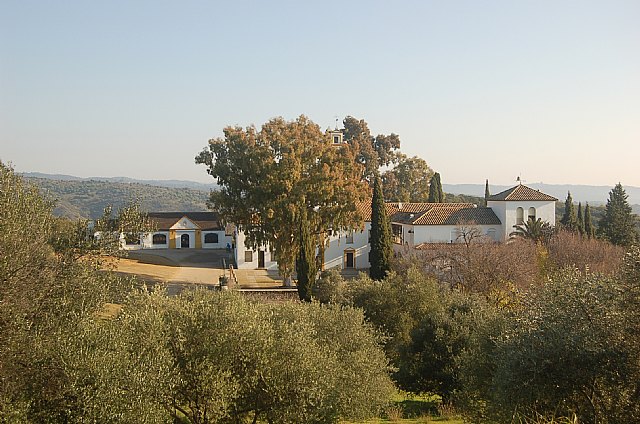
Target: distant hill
82	198
595	195
158	183
87	197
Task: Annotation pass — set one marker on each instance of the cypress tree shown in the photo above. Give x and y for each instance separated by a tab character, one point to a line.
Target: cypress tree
381	244
306	260
486	192
569	220
589	230
580	219
435	189
617	224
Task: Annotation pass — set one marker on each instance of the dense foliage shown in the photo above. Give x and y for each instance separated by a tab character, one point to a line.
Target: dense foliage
78	344
266	177
518	332
407	181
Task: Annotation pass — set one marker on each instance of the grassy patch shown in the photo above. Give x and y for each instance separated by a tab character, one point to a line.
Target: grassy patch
408	408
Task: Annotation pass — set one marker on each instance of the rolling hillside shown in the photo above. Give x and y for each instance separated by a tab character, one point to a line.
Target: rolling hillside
87	198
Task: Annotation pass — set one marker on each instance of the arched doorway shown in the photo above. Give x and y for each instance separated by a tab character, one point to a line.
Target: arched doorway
184	241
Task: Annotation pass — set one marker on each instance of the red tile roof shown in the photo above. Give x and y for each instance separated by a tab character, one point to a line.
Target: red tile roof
520	193
434	213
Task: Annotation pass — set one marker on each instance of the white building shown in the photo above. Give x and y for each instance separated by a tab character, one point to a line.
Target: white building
414	224
517	204
183	230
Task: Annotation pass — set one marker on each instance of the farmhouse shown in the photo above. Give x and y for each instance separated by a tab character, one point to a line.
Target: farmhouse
183	230
415	224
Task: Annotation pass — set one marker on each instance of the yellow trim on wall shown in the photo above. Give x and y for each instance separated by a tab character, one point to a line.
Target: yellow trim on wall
172	239
198	239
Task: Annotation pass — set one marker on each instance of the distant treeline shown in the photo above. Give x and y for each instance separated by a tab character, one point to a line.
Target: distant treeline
87	199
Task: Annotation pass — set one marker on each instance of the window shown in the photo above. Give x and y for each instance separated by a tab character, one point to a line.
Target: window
248	255
336	139
211	238
159	239
396	229
349	238
519	216
532	213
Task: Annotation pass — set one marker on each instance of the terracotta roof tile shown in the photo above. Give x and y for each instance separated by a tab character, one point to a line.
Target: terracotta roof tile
434	213
520	193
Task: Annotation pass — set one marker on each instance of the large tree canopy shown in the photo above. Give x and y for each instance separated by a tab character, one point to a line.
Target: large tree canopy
267	176
369	151
408	181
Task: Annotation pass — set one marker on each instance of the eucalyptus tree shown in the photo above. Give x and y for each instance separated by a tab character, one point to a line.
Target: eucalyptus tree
267	176
372	152
407	181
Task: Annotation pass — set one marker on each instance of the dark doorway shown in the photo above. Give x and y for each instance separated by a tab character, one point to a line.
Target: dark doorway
349	262
184	241
260	258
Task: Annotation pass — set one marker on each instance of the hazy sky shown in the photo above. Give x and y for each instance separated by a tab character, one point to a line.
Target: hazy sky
549	90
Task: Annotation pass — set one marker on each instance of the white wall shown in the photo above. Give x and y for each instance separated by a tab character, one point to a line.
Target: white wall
334	252
240	250
147	241
222	240
506	212
333	256
447	233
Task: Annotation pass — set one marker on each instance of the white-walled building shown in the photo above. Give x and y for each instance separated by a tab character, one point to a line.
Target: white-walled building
414	224
517	204
183	230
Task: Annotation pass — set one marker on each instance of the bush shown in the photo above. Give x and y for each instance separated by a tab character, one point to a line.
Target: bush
569	249
567	350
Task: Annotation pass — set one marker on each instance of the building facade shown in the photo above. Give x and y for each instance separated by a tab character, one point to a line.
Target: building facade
183	230
416	224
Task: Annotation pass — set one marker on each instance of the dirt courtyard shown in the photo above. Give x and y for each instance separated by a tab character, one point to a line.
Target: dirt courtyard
182	267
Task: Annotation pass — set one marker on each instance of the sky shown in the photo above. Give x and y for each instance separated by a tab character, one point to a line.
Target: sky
545	90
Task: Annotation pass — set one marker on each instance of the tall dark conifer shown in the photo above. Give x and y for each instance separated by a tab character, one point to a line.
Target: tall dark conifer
589	229
569	220
580	219
486	192
306	260
435	189
617	225
381	243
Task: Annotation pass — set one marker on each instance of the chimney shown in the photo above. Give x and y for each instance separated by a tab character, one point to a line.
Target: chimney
399	206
